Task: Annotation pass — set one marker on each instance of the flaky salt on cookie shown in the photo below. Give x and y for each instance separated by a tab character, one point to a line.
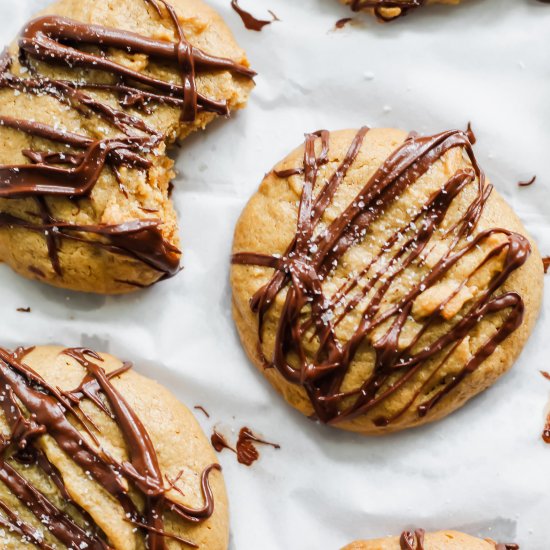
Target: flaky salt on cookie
388	10
97	457
419	540
91	96
380	281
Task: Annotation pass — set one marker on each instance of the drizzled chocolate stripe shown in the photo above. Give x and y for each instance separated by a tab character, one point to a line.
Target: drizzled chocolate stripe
380	5
47	411
140	239
59	41
314	254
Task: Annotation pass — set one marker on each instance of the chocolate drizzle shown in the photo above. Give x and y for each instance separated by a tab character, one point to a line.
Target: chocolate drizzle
379	7
245	449
247	453
412	541
341	23
219	442
309	318
249	21
546	264
33	408
59	41
528	183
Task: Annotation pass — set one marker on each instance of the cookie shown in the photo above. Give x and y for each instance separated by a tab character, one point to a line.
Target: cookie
95	456
388	10
442	540
91	96
380	281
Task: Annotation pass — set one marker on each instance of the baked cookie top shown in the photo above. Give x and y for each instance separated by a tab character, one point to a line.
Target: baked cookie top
419	540
94	456
389	10
91	95
379	280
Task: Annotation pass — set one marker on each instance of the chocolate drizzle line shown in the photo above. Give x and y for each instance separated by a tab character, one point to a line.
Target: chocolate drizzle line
412	541
33	408
528	182
313	255
405	6
202	409
60	41
251	22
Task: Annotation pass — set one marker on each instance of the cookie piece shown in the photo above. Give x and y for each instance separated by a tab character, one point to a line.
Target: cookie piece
388	10
442	540
100	457
91	96
379	281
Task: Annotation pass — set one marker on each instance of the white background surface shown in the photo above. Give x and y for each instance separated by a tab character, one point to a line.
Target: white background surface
485	469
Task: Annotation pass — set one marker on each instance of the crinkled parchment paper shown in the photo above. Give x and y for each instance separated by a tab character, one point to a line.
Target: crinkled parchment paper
485	469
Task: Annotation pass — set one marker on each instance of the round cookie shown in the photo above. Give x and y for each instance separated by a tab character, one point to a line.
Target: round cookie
388	10
100	457
91	96
379	281
442	540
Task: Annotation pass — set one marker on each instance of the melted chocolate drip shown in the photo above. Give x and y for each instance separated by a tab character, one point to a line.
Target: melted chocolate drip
245	449
313	255
412	541
508	546
220	443
546	263
47	411
405	6
56	40
251	22
247	453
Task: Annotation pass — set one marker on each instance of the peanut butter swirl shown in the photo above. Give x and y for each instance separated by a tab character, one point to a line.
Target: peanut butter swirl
307	350
59	41
32	409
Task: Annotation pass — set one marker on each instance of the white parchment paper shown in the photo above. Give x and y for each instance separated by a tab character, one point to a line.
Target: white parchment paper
485	469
